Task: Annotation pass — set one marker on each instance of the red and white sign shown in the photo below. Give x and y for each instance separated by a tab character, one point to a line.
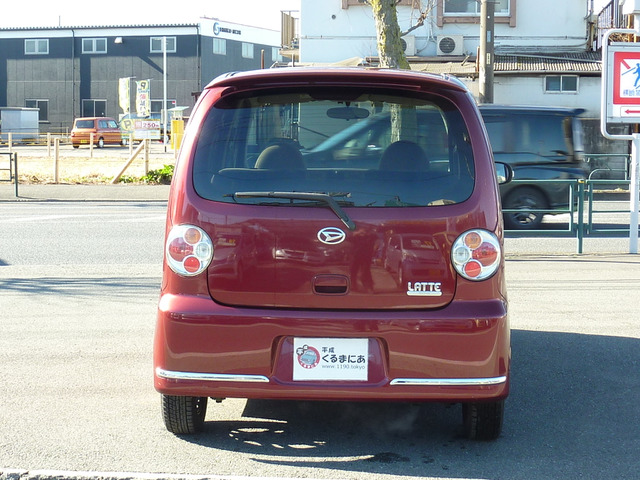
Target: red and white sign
626	79
624	84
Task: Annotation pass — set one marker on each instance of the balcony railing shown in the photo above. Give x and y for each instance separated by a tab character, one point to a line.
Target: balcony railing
610	17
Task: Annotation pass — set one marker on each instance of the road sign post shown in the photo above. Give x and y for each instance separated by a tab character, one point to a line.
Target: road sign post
620	103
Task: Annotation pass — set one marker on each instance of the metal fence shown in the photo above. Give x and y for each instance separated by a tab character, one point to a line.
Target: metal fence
582	209
608	166
9	168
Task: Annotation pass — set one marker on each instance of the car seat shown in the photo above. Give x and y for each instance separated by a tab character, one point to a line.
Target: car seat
404	156
280	157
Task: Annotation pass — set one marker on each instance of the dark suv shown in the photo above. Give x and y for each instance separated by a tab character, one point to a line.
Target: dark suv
539	143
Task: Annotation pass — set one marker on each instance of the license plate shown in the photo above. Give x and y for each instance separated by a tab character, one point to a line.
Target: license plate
330	359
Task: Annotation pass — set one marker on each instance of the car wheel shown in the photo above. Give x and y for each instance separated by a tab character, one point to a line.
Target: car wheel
124	142
524	199
76	146
184	415
483	421
100	142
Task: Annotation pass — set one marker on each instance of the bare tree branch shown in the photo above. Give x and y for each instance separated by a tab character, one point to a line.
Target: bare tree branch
419	23
430	4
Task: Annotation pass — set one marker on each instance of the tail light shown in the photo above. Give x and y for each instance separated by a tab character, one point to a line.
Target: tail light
188	250
476	254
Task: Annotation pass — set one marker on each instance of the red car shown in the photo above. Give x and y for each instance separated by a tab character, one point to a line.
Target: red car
372	271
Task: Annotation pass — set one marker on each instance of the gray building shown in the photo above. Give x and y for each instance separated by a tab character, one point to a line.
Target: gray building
70	72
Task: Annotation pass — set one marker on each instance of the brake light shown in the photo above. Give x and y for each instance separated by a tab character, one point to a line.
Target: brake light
188	250
476	254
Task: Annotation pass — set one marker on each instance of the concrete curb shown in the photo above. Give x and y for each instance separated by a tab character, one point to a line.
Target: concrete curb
17	474
88	193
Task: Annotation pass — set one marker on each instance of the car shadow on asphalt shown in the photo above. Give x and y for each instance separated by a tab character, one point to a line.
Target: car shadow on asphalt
573	411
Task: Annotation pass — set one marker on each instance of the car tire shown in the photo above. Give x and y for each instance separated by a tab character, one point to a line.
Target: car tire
184	415
100	142
524	198
76	146
483	421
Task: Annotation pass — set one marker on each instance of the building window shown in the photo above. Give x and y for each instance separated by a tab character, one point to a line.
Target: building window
94	45
43	105
156	105
561	84
219	46
94	108
156	44
247	50
275	54
472	7
468	11
353	3
36	46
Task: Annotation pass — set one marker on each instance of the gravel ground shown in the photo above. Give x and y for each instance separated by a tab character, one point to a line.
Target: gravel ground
37	164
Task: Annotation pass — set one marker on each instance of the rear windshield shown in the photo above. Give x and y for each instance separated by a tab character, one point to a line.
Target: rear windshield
364	148
84	123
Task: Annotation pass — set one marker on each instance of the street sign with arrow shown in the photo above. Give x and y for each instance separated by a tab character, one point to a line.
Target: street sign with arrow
623	67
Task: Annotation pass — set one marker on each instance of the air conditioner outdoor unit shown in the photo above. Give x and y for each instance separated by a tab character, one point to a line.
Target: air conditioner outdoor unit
409	44
450	44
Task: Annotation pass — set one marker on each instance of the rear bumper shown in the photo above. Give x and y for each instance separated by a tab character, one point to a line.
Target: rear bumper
204	349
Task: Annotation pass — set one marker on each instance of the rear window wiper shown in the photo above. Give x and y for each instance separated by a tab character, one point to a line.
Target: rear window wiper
326	198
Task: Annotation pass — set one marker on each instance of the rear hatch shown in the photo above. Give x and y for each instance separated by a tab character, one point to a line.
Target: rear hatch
332	197
306	259
83	128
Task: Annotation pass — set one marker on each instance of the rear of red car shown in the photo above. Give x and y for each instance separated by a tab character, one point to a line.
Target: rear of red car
334	235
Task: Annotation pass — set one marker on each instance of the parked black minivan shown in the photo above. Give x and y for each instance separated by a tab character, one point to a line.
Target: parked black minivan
539	143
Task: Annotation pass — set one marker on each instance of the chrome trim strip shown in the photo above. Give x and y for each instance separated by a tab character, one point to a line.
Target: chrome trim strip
210	377
448	382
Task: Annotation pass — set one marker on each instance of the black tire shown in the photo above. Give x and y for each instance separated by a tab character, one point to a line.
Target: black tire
101	142
483	421
524	198
184	415
76	146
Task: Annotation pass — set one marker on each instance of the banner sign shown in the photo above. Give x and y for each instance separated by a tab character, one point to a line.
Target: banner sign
143	98
124	94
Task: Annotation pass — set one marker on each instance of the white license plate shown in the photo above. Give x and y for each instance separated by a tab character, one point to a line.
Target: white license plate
330	359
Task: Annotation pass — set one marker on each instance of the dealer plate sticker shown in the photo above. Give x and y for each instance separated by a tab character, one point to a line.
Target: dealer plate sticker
330	359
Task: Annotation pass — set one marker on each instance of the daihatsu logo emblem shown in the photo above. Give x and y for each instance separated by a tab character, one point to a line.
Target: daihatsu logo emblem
331	235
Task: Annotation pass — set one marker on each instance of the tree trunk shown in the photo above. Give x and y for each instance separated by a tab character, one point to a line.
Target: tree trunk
388	34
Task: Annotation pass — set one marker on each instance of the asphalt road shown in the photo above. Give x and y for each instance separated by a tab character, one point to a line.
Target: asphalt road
78	289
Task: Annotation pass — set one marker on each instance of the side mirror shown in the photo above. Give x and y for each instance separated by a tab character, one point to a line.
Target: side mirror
504	173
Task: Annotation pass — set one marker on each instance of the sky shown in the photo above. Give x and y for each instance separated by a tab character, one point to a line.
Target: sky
47	13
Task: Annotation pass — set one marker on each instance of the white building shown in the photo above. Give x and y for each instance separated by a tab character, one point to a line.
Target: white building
543	47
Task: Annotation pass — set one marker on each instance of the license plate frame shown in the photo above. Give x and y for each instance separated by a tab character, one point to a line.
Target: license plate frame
330	359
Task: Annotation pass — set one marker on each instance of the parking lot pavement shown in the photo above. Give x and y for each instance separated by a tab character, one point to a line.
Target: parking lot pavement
514	246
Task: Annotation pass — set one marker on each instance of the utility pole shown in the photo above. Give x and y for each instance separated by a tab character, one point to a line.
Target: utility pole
486	56
165	113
